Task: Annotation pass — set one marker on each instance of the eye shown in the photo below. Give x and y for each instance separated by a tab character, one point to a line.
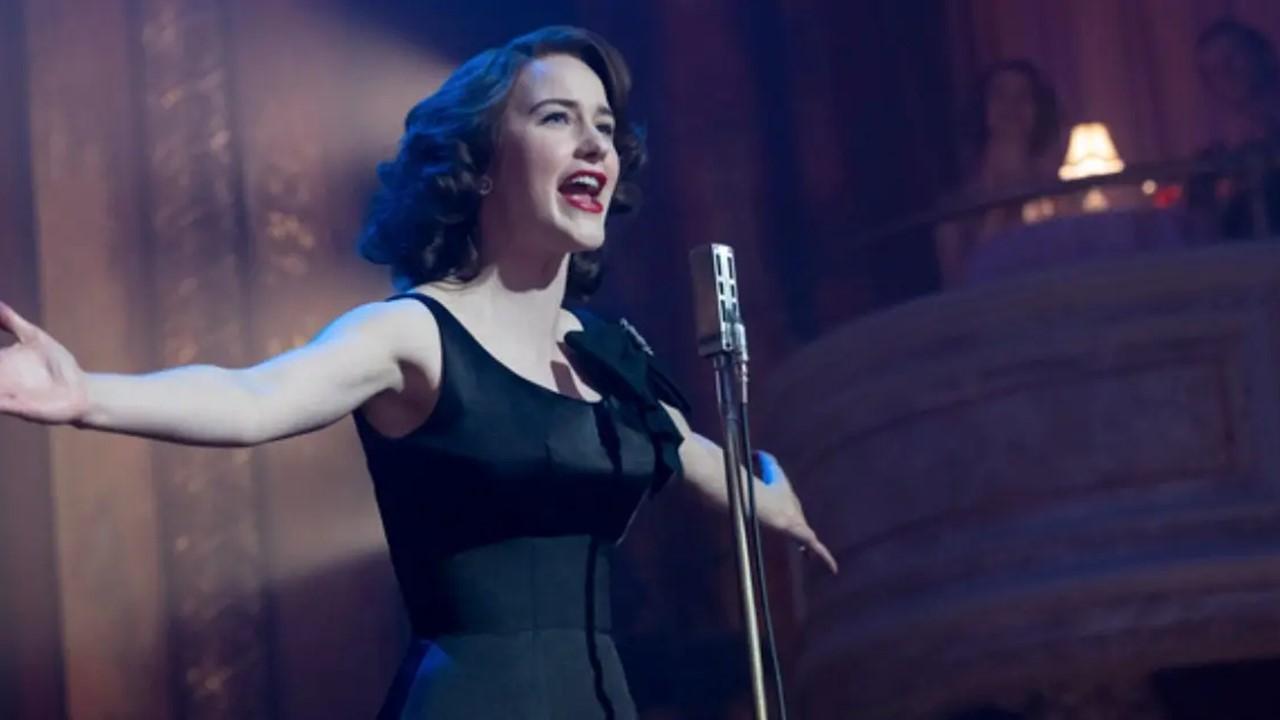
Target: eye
606	129
556	118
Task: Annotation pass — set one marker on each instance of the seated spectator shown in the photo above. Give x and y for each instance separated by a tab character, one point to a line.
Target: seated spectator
1015	144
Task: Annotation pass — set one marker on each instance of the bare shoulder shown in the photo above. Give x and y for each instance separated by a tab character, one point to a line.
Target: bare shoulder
409	332
383	314
403	329
410	325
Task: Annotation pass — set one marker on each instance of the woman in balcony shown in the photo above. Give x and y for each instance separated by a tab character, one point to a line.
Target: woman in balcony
1014	144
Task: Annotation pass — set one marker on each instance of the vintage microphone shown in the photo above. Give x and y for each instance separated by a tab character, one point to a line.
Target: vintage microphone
722	337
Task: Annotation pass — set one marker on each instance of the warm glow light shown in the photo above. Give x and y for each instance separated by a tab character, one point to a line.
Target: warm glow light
1038	210
1096	201
1090	153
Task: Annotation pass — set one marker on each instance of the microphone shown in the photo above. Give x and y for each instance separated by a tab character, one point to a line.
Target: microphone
723	338
717	315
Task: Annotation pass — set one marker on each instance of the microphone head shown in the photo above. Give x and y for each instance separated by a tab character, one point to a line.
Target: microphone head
717	315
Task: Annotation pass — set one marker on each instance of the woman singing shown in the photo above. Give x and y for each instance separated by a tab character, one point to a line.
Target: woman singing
509	441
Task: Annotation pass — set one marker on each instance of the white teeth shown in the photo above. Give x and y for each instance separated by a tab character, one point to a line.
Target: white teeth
590	181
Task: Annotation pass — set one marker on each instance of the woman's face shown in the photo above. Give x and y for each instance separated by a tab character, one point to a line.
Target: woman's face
555	166
1228	71
1011	107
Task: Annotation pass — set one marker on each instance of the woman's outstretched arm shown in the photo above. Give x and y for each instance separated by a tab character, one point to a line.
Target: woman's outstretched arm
776	503
358	356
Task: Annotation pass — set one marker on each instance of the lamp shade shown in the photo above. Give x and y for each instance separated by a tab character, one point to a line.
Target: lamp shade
1090	153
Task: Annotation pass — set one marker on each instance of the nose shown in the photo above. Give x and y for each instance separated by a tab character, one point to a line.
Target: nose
593	145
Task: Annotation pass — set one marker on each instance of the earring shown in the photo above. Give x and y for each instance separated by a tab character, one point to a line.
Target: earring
486	185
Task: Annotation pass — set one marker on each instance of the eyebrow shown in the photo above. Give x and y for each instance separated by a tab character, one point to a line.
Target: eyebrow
572	104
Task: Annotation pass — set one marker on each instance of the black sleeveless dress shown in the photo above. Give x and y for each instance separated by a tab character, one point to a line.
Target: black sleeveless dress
501	512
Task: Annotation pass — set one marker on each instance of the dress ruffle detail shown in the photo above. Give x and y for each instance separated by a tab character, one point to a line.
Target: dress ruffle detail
619	363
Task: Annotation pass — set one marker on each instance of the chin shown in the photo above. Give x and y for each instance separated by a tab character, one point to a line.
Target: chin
582	239
589	242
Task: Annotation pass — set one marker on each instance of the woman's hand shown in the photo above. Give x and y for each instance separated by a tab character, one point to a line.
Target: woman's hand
776	503
39	379
785	513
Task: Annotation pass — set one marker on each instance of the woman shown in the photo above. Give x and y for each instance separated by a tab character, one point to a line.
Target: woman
509	441
1015	145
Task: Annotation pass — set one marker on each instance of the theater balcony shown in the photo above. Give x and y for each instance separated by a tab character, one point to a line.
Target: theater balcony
1055	493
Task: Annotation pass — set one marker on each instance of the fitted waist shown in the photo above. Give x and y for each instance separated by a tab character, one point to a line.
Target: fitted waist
516	585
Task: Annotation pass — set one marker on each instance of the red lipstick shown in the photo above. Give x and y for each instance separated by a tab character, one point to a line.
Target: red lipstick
582	188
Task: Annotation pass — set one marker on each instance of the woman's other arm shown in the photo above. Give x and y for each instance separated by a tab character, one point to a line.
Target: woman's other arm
776	503
361	354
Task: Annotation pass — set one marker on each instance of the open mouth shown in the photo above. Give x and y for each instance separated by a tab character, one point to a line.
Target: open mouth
582	190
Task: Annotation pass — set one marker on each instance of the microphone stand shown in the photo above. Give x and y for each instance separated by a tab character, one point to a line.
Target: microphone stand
723	338
731	391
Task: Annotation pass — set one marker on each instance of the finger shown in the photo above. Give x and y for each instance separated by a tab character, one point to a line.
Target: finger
809	541
15	324
825	555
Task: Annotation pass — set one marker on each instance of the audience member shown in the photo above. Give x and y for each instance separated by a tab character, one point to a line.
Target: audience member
1014	143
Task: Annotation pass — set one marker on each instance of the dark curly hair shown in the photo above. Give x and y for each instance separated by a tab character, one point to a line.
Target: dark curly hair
422	220
1046	125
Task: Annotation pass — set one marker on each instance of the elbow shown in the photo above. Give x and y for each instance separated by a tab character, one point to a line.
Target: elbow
251	425
248	433
243	430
